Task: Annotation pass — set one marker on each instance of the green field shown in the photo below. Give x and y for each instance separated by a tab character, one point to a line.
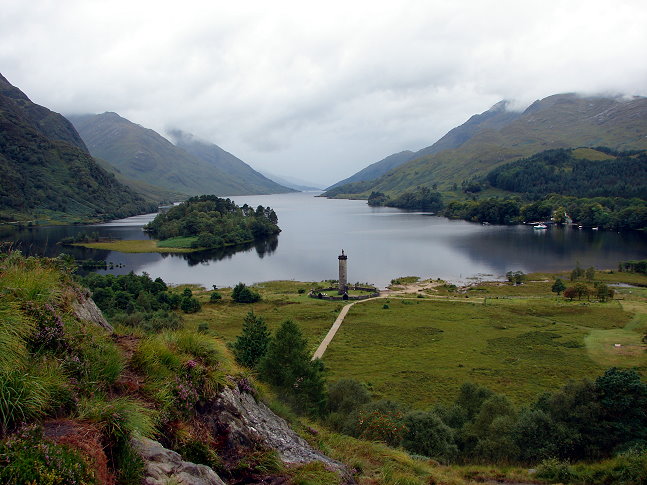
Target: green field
517	340
421	351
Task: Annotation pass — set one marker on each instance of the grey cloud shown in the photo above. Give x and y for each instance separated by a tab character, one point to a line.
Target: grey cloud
317	90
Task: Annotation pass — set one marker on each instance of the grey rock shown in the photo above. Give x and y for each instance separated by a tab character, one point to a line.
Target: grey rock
164	466
247	423
86	309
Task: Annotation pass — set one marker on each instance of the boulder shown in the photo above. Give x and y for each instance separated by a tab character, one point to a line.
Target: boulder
86	309
163	466
245	423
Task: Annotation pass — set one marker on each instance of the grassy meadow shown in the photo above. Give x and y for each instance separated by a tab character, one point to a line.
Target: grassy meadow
419	348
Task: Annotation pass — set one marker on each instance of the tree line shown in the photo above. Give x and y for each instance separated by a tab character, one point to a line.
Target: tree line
139	301
560	172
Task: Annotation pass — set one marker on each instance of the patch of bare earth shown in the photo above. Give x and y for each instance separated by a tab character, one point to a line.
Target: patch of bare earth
84	437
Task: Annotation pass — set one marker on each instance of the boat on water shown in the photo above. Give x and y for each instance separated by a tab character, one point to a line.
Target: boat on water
540	226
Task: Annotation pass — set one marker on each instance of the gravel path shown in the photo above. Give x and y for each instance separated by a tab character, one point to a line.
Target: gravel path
333	330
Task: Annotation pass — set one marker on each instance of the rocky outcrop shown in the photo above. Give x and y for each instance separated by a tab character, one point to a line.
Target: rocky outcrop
87	310
163	466
245	423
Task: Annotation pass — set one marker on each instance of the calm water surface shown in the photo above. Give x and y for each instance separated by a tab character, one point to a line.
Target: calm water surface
381	243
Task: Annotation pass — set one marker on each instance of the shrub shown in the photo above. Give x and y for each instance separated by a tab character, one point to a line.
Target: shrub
215	296
189	304
242	294
287	365
555	470
378	421
347	395
427	435
27	458
151	321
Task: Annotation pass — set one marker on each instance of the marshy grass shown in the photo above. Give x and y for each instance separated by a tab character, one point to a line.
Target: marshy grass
135	246
426	349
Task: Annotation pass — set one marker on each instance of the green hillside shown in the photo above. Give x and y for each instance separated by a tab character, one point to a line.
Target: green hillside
144	155
377	169
152	193
46	171
499	136
253	181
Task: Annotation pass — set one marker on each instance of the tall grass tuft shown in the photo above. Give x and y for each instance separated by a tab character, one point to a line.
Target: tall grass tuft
14	329
156	359
96	360
119	418
23	398
29	279
195	344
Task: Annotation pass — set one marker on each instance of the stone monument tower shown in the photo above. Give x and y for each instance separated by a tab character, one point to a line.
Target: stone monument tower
343	273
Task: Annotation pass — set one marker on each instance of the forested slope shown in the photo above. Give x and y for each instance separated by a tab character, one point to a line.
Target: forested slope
47	172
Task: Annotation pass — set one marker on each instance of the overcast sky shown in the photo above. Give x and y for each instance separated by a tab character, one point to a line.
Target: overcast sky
317	90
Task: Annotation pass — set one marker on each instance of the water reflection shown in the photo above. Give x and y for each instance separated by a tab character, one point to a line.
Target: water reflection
382	243
265	247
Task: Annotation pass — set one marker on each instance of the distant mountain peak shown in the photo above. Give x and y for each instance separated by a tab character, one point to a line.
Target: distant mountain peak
500	106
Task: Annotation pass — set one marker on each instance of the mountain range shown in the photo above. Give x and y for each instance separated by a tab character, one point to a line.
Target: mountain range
47	172
500	135
189	166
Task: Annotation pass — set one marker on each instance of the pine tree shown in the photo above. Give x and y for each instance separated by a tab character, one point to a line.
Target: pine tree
252	344
558	286
287	365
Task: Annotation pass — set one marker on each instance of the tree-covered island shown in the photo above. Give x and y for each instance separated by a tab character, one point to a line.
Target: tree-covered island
208	221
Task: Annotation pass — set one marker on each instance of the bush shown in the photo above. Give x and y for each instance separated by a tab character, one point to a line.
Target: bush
150	322
215	296
427	435
555	470
242	294
27	458
287	365
378	421
190	304
347	395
